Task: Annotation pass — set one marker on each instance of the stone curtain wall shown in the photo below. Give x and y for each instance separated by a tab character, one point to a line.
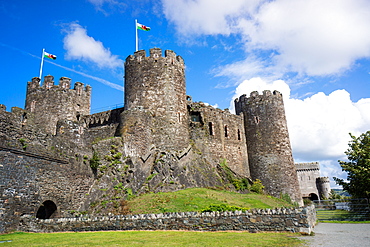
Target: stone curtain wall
293	220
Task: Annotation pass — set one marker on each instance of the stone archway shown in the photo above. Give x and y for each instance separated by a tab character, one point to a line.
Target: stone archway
47	210
313	197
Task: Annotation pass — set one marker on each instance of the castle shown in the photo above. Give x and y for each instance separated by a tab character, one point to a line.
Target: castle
56	158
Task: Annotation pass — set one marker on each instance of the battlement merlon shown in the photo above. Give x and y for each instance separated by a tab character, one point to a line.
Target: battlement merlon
155	55
307	166
64	83
255	94
323	180
255	98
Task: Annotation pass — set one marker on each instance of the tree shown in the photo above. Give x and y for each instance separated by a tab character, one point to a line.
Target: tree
357	167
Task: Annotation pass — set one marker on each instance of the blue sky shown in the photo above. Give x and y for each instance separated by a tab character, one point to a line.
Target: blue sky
317	53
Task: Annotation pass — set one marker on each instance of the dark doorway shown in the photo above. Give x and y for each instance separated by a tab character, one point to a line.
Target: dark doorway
313	197
47	210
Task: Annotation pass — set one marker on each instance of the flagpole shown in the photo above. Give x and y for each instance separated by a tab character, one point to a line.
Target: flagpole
136	40
42	63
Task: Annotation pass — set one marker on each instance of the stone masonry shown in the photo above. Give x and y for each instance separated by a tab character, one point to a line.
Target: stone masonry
56	158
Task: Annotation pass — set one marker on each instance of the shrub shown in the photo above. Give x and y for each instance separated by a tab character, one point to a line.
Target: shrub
95	161
257	187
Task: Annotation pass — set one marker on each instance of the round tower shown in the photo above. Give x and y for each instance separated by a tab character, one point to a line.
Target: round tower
323	186
269	151
49	103
156	84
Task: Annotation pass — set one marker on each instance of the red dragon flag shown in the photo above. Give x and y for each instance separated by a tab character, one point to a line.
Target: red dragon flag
48	55
142	27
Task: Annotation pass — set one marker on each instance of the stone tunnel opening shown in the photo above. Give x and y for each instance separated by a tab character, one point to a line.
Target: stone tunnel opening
47	210
313	197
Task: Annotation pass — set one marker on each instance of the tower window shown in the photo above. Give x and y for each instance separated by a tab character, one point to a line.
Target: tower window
195	117
226	131
210	127
239	137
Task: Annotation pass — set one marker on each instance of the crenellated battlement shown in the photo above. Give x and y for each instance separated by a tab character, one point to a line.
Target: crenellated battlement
50	102
307	166
323	180
256	97
155	56
48	84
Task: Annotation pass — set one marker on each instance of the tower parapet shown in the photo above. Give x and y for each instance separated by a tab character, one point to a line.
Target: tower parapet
157	84
49	102
269	151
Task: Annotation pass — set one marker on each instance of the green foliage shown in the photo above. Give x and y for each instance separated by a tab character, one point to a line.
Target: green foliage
223	208
307	201
257	187
357	167
286	197
130	194
23	143
117	156
118	187
95	161
151	176
334	195
239	184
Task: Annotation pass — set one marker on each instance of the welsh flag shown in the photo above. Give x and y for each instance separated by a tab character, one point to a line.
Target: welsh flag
142	27
48	55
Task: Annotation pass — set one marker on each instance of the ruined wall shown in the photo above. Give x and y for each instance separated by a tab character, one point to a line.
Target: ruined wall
157	84
27	180
50	102
219	135
269	151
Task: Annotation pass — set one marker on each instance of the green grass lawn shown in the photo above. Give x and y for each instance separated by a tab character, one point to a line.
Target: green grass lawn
151	238
338	216
196	199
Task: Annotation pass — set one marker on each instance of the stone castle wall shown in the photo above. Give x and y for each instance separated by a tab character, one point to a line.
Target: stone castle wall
220	134
27	180
277	220
307	174
160	141
50	102
269	151
157	84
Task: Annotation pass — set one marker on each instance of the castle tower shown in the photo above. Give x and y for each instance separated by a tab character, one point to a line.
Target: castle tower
323	186
269	151
156	85
49	103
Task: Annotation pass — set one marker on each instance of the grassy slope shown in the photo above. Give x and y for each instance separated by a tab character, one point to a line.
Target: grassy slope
196	199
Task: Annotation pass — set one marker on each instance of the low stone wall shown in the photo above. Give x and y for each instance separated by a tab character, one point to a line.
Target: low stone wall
293	220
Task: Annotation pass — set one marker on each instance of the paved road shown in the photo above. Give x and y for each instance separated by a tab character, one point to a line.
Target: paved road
340	235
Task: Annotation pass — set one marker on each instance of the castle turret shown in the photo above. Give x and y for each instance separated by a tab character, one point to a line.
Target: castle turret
269	151
323	185
49	103
156	85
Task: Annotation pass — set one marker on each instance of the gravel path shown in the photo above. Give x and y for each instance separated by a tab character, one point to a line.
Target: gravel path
340	235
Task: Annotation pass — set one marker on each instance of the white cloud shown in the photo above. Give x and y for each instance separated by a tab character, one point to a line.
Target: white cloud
309	37
80	46
319	125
